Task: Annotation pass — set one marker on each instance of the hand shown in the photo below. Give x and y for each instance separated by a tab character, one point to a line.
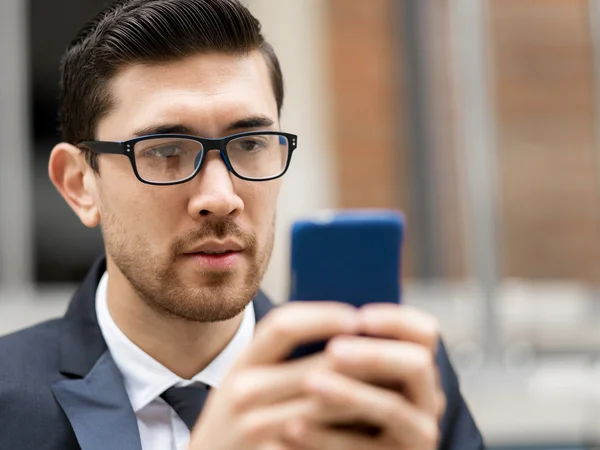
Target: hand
261	394
391	383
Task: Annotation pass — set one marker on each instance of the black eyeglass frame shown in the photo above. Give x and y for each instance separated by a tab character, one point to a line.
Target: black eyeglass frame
208	144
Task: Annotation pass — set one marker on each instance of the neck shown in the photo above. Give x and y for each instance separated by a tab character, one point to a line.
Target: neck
182	346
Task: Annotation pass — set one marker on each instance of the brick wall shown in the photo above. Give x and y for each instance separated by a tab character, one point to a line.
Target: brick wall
368	136
372	146
544	93
545	111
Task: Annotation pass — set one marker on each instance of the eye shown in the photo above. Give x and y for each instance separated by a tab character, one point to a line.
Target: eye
164	151
250	144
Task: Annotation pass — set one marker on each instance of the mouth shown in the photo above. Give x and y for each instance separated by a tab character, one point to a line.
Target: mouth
207	252
216	255
226	260
217	247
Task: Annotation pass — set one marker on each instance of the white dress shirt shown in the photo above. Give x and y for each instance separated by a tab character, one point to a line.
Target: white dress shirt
145	378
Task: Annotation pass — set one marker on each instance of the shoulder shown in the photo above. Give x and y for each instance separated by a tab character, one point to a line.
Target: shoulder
448	376
41	330
31	349
29	361
458	428
28	370
29	358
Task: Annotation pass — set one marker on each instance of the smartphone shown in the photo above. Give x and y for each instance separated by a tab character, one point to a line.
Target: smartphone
351	256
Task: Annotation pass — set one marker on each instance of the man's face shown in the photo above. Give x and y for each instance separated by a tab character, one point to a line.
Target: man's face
151	232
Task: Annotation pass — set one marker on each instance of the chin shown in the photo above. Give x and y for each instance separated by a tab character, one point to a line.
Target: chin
209	303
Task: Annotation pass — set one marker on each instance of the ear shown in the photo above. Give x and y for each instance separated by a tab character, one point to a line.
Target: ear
76	181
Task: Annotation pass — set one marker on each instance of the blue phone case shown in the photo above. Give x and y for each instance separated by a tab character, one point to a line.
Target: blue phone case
348	256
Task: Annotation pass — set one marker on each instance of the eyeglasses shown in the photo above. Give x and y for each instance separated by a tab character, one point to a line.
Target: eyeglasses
165	159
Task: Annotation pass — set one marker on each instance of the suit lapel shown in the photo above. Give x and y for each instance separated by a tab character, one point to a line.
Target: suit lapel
98	408
92	394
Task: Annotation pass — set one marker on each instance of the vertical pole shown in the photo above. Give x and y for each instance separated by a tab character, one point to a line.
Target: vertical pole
420	129
15	185
478	157
594	15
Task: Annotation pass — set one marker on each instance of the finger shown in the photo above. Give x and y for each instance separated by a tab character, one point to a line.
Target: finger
394	364
264	424
306	436
264	385
395	415
294	324
399	322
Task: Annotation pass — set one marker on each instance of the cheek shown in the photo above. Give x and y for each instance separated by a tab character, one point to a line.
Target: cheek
138	210
260	201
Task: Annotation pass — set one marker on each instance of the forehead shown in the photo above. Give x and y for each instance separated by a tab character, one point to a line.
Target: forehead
205	92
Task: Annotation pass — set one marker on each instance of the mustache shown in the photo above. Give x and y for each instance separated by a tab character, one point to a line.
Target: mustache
221	230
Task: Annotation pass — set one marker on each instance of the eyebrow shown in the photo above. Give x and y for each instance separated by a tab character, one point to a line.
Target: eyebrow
238	125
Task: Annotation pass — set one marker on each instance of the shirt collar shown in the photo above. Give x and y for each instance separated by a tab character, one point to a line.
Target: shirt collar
144	377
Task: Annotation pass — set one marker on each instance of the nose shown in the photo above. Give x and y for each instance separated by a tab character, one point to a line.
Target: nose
214	190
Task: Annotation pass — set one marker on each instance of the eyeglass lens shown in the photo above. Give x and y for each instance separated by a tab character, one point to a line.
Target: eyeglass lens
175	159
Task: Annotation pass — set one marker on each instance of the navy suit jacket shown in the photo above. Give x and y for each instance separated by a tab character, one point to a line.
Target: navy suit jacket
61	390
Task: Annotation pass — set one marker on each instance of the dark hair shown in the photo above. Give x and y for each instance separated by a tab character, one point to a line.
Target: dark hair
141	31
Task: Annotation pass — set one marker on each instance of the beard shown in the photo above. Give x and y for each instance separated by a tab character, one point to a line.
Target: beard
212	296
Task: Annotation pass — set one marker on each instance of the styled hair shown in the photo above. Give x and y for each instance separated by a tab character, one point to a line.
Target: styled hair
146	31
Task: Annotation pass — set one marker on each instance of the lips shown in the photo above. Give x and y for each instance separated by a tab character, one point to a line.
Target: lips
216	255
227	260
217	248
207	252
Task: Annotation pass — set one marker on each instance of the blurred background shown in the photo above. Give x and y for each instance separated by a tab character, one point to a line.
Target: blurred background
479	119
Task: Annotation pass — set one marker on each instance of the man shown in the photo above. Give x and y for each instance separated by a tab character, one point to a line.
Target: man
170	117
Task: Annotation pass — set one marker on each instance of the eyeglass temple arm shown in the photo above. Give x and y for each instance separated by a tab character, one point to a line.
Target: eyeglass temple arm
114	148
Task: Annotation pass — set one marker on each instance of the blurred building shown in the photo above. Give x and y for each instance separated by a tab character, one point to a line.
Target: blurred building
542	83
541	69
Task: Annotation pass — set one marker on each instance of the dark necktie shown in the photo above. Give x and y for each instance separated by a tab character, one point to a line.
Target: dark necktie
187	401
